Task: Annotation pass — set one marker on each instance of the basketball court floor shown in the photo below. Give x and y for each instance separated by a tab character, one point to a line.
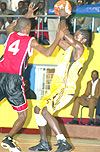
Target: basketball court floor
80	145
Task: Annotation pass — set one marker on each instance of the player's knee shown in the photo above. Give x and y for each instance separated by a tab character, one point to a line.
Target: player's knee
36	110
44	111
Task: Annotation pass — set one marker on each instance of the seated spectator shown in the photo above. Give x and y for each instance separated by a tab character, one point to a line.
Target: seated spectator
28	92
26	5
20	9
4	10
39	11
89	98
9	20
3	36
8	3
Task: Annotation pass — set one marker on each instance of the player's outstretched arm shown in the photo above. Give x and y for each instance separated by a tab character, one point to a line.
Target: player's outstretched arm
49	50
29	14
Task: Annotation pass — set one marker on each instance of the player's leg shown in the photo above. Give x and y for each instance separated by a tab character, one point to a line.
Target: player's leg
54	125
8	141
15	93
18	123
42	124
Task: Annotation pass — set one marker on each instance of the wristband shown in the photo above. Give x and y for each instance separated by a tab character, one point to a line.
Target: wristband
62	18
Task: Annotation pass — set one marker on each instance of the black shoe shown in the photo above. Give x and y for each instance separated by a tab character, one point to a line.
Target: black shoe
90	123
42	146
97	123
63	146
73	122
10	144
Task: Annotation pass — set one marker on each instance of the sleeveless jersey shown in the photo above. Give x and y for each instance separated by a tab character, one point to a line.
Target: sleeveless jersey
63	84
16	53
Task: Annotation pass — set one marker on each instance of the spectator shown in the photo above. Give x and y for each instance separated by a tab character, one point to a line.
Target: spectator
8	3
3	36
5	11
26	5
89	98
20	9
9	20
43	36
40	8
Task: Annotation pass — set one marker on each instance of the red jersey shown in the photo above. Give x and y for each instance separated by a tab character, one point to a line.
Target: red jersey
16	54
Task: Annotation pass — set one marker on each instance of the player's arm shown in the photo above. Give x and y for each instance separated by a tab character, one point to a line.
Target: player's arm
49	50
68	37
29	14
62	43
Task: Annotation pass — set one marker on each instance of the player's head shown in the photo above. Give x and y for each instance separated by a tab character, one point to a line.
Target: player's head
23	25
82	36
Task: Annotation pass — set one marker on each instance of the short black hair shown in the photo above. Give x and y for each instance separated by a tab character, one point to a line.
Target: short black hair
3	3
22	22
95	71
85	34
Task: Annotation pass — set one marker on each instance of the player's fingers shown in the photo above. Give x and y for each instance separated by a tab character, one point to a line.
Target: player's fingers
35	9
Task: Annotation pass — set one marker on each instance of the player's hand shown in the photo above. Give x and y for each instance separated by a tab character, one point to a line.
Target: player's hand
63	13
60	34
31	10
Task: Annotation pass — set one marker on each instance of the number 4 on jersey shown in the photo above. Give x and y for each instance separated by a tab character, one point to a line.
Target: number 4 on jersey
14	47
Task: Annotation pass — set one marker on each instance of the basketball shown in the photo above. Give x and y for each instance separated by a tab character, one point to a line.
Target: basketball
60	4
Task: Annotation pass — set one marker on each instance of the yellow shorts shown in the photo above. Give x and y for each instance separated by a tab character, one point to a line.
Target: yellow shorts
54	103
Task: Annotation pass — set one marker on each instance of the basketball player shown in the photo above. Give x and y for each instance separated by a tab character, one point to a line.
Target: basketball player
18	48
62	87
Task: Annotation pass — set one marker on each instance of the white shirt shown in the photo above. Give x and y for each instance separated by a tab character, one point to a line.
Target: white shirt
93	86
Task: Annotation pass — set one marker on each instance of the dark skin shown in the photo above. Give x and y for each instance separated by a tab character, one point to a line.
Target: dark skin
77	42
94	76
34	44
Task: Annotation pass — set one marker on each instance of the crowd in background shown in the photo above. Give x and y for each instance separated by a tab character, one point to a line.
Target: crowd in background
10	7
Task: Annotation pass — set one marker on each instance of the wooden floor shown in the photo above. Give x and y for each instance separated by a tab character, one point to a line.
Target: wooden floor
80	145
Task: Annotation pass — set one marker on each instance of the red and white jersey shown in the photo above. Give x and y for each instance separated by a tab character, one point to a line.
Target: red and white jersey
17	50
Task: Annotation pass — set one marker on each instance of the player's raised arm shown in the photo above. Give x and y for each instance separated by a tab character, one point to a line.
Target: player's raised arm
29	14
68	37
